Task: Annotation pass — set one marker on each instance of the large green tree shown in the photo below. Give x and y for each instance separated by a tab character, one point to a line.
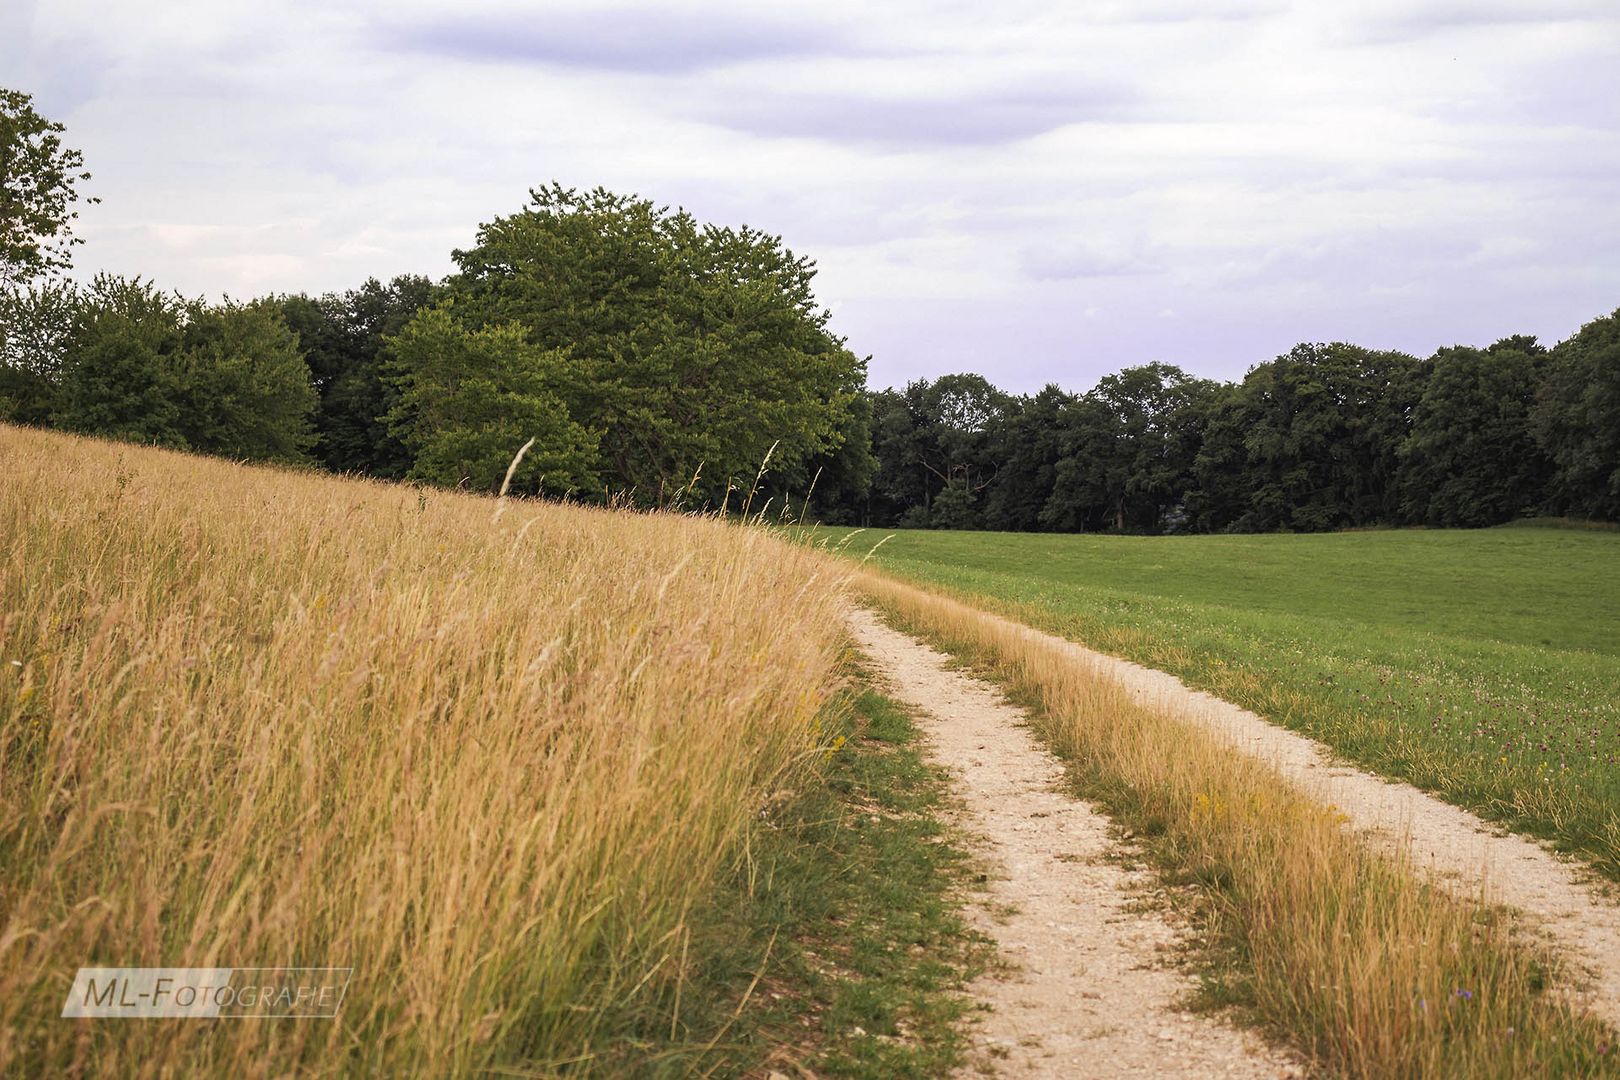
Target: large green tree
931	442
1321	429
1217	493
468	399
1128	448
153	367
241	385
38	192
119	376
342	336
901	481
1577	420
1025	444
838	480
689	349
1470	459
35	323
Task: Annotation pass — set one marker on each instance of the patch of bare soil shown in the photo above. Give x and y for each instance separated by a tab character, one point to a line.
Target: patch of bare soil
1094	991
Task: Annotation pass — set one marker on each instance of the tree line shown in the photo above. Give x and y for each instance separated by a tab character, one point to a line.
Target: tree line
1326	436
656	359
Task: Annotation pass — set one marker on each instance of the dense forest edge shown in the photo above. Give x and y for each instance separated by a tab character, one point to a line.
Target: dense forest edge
656	360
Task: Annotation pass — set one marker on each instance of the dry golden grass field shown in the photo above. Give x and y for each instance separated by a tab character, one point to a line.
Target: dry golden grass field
490	759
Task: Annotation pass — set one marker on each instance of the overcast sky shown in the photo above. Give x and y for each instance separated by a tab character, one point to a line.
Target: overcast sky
1035	191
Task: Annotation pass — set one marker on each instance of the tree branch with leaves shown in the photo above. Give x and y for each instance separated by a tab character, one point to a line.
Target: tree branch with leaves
38	178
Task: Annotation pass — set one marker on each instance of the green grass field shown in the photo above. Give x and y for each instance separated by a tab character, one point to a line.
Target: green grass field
1483	665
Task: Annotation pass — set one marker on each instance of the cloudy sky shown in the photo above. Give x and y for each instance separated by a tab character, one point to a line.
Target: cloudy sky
1035	191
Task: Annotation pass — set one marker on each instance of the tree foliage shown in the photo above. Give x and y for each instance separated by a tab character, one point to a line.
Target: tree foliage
1326	436
242	388
687	349
468	399
1128	446
1471	458
1032	440
38	178
652	356
930	441
1577	420
35	323
120	378
342	336
1321	427
834	485
153	367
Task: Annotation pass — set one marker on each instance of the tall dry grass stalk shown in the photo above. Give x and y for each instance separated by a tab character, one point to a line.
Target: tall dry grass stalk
259	718
1353	955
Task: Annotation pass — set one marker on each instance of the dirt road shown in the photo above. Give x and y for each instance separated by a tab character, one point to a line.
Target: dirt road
1577	912
1094	991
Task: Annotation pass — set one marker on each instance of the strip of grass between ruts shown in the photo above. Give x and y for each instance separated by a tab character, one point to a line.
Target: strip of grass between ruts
835	946
1350	955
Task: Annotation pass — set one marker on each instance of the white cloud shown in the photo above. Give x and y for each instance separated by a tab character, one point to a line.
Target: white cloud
1020	191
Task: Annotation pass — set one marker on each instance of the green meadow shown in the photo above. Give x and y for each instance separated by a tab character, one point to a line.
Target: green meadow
1481	665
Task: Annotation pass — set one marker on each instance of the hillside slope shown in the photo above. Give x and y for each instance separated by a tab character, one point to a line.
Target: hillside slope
490	757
